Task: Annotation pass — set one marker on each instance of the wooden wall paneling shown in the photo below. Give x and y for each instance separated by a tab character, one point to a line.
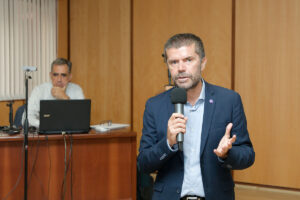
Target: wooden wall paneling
267	77
100	52
156	21
63	28
250	192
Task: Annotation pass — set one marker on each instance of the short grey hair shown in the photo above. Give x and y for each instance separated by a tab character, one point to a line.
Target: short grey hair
62	61
184	39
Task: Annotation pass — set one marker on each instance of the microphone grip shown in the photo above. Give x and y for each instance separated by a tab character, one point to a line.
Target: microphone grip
179	108
179	138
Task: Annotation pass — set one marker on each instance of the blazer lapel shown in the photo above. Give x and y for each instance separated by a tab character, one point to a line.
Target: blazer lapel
170	106
209	108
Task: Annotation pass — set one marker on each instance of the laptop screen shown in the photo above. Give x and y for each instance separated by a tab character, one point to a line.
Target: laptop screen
70	116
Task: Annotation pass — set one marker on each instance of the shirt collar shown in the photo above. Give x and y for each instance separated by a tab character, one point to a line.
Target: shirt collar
202	94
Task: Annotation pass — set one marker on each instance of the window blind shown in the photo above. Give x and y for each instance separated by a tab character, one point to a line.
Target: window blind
28	37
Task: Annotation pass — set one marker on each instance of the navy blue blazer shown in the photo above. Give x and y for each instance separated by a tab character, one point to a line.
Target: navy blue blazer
221	107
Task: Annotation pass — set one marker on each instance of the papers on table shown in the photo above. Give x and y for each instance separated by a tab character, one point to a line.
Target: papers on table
108	126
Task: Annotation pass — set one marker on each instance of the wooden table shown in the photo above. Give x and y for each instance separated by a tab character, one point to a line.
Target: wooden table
101	166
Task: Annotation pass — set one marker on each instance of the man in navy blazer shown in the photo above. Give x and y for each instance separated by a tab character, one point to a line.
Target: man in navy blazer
216	138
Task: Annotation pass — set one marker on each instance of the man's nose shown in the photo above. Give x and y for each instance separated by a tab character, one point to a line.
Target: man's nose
59	77
181	66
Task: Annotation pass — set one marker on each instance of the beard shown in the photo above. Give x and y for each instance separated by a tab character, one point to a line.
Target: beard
192	82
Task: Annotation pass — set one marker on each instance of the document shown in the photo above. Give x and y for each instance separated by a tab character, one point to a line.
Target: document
107	127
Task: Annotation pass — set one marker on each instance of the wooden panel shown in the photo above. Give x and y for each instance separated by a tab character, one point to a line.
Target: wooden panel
267	77
100	52
155	21
62	29
249	192
103	166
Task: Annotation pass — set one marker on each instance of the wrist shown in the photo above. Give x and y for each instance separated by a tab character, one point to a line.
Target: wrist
223	157
66	97
173	147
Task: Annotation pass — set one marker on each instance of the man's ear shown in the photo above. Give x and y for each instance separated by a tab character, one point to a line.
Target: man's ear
70	77
203	63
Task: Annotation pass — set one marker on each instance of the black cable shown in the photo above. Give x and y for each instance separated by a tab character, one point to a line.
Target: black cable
37	144
20	173
71	160
47	141
65	173
35	158
67	166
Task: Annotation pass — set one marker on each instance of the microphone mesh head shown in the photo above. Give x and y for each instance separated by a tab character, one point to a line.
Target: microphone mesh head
178	95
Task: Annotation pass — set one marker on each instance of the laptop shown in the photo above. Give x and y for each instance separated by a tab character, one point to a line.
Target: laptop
69	116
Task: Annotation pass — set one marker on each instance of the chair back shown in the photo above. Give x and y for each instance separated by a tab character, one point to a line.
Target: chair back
18	116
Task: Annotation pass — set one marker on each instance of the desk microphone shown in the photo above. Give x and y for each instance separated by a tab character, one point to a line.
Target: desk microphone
178	98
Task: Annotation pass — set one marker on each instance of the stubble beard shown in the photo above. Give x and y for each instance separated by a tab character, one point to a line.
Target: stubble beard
194	80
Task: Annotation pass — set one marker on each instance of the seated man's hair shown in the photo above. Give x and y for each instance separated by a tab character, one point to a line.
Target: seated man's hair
62	61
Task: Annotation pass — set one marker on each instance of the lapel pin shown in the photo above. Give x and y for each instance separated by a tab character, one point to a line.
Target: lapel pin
211	101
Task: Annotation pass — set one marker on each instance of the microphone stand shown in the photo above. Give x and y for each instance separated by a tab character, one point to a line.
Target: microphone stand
27	77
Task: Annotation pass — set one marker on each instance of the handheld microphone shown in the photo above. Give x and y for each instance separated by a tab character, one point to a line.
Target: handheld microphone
178	98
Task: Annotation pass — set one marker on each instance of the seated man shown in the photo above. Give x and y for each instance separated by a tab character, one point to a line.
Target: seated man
59	88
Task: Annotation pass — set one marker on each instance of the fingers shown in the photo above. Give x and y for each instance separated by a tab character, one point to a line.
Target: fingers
177	120
222	150
233	139
222	153
224	147
218	153
176	124
53	91
228	129
58	93
226	143
177	115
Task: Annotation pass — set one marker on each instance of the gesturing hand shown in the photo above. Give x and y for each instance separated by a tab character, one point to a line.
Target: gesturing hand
225	143
176	124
